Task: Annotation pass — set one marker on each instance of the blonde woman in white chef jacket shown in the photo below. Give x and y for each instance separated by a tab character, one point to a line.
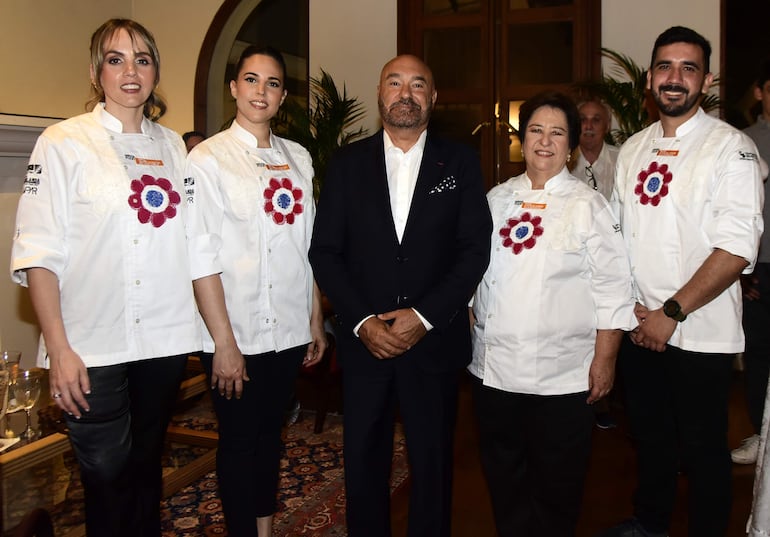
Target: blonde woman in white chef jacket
100	242
548	319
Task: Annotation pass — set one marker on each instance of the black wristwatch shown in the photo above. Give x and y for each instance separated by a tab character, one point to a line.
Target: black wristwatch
672	309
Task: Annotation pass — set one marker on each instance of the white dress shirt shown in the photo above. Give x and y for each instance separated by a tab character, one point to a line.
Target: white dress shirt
402	170
680	198
558	272
250	219
98	212
602	170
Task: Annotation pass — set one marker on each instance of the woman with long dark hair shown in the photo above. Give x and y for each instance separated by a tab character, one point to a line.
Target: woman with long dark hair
250	223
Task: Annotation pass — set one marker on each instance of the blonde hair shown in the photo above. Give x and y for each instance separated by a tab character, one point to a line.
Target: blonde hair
155	106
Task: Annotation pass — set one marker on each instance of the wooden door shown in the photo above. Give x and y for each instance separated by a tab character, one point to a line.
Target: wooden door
489	55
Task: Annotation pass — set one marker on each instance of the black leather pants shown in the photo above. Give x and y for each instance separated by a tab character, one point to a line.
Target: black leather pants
119	444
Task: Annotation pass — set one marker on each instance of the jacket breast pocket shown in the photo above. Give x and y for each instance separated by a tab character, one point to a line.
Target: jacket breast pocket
244	195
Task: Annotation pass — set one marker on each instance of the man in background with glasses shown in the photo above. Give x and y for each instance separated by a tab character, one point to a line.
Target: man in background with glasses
594	163
595	160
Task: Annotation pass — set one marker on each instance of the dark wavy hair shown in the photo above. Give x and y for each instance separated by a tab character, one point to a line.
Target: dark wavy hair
557	100
682	34
253	50
155	106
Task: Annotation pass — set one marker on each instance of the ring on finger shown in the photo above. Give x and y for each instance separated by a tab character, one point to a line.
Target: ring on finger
56	395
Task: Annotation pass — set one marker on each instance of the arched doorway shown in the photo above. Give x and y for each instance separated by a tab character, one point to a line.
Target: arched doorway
282	24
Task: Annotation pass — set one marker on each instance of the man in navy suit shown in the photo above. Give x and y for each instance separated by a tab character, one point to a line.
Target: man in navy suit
401	239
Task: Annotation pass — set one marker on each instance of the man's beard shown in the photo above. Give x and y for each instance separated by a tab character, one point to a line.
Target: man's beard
404	114
675	109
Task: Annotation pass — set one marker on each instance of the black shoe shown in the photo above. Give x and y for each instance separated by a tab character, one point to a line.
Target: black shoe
629	528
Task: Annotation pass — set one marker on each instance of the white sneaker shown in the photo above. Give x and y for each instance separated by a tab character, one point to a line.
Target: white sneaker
747	452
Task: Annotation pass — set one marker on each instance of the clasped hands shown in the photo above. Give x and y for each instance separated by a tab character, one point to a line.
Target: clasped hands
654	330
393	333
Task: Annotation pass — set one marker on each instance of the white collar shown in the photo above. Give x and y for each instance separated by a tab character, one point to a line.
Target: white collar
420	144
110	122
552	183
249	139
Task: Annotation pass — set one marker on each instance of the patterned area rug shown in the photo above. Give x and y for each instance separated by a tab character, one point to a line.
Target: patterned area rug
311	495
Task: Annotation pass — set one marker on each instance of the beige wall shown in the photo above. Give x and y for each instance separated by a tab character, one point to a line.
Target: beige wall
44	69
50	78
352	40
44	53
18	326
44	45
630	26
179	27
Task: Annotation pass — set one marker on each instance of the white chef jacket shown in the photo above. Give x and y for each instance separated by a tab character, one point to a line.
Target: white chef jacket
680	198
760	133
250	220
558	271
603	169
101	210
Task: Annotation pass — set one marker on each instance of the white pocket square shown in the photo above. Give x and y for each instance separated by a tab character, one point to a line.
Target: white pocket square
447	183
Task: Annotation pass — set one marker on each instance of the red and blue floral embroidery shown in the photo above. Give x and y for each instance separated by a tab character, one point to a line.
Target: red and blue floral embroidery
155	200
283	201
520	233
653	183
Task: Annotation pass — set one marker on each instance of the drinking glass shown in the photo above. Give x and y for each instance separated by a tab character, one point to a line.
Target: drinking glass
4	379
10	362
25	387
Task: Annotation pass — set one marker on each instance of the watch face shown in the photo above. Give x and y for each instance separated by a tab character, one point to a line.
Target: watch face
671	308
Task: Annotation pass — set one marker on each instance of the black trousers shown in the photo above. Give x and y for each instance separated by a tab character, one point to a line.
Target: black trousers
427	402
120	441
534	451
249	451
677	408
756	357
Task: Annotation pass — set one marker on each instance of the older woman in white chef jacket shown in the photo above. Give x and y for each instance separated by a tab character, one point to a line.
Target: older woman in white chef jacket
548	319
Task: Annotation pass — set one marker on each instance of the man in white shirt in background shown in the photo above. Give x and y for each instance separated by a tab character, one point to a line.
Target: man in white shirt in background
594	163
594	160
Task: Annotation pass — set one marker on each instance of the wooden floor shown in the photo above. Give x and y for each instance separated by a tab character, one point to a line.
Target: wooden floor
609	487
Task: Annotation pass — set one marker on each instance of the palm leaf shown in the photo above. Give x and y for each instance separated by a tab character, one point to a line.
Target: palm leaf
325	126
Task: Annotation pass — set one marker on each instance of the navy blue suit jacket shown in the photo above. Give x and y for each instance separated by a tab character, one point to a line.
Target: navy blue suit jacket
363	269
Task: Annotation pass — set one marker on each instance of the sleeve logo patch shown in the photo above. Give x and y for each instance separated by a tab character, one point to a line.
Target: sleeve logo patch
31	185
748	155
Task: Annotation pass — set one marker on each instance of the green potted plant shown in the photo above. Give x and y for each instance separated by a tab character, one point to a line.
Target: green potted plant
324	126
